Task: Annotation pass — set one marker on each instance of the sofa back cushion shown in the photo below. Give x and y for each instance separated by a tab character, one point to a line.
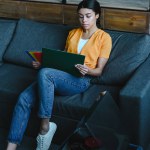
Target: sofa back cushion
129	51
31	35
7	28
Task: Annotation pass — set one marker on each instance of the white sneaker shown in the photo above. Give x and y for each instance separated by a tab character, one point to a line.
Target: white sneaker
44	141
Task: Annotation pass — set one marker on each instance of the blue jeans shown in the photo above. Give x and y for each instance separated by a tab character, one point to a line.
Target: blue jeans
49	81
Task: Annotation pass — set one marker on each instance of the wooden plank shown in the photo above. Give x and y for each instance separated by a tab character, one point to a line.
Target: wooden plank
12	9
126	20
70	15
45	12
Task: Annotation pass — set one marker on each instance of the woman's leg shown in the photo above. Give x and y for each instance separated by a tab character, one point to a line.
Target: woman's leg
21	115
52	81
49	82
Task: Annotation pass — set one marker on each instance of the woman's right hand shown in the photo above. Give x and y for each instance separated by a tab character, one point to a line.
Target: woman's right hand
36	64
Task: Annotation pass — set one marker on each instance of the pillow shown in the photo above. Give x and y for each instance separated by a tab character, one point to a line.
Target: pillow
6	32
129	51
32	35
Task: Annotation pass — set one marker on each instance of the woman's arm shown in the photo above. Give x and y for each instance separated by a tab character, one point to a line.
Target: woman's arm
84	70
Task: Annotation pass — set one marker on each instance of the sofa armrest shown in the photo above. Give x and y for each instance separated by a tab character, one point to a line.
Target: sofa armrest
135	105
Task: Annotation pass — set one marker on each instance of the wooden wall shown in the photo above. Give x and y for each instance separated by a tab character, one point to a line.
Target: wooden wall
114	19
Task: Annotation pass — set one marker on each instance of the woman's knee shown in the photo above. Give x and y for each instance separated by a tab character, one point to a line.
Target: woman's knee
46	73
42	72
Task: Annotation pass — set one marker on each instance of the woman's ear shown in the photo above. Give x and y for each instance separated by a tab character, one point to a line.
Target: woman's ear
97	16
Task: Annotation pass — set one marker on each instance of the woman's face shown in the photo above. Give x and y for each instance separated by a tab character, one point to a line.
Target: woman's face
87	18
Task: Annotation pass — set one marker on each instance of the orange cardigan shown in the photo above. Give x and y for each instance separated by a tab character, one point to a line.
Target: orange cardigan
98	46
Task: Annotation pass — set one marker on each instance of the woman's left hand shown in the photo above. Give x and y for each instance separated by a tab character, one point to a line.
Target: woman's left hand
83	69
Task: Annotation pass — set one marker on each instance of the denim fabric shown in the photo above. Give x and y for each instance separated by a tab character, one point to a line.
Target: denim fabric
49	82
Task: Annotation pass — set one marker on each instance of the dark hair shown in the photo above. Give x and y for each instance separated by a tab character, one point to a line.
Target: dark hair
91	4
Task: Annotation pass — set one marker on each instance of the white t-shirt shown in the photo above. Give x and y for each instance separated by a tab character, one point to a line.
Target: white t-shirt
82	42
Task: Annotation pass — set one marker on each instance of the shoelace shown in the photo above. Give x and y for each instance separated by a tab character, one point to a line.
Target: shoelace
40	140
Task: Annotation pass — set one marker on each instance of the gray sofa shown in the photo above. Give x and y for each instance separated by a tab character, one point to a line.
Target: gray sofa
126	77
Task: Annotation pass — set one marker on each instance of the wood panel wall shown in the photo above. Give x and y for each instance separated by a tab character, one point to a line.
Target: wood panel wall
114	19
126	20
45	12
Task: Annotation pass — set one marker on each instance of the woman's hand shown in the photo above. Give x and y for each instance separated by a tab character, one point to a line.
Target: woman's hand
36	64
83	69
93	72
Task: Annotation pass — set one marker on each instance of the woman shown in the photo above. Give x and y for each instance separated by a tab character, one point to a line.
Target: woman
87	40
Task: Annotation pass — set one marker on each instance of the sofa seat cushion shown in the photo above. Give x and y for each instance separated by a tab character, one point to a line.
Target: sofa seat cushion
13	80
76	106
7	29
129	51
31	35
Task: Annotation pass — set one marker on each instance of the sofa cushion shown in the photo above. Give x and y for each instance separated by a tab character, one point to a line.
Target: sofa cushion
129	51
13	80
76	106
31	35
6	32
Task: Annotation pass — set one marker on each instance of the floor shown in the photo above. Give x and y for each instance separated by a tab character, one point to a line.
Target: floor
28	143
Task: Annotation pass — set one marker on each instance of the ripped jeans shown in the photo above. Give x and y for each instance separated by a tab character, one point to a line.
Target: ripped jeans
49	81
